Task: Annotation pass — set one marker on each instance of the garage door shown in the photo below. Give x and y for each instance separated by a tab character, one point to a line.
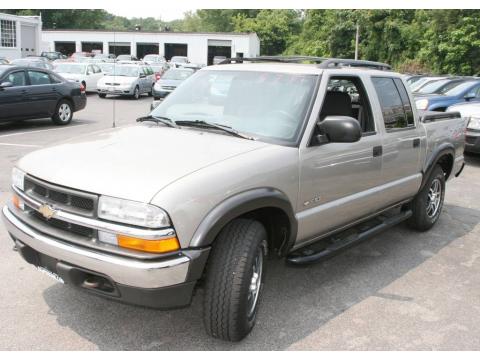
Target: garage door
219	48
67	48
28	40
119	48
146	49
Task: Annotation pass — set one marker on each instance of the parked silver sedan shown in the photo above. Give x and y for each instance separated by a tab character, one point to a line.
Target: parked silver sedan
127	79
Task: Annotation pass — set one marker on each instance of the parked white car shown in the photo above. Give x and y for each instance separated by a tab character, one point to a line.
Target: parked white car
128	80
153	59
86	74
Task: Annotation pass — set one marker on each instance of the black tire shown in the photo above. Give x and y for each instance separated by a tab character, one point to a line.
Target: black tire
424	217
103	96
156	98
150	93
136	93
229	307
63	112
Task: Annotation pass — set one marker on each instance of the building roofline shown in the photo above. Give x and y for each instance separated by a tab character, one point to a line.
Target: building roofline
153	32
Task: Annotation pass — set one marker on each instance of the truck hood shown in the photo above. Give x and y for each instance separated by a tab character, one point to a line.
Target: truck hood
133	162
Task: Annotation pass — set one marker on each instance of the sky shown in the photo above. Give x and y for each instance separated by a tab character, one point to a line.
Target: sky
166	14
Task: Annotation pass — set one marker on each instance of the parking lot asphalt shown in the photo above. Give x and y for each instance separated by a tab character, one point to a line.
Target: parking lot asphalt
401	290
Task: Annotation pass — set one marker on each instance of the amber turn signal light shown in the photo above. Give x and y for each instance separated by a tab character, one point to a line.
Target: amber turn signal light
153	246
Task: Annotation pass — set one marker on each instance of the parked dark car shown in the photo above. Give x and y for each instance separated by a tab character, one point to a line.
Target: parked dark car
34	93
465	92
52	55
33	62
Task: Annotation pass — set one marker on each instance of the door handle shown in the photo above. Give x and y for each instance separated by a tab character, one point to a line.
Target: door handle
416	142
377	151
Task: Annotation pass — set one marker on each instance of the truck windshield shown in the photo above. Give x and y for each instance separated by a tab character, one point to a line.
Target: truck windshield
266	105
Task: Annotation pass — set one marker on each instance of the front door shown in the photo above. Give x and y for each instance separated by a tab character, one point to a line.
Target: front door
13	98
339	181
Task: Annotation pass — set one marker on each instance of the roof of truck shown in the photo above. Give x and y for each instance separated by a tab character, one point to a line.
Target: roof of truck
294	68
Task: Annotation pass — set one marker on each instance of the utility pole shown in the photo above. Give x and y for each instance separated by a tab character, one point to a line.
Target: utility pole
357	35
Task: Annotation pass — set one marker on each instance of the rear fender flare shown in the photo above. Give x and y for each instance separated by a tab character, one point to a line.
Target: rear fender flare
444	149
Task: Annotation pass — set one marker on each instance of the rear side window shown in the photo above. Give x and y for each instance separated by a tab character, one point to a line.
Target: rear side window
17	78
407	107
392	104
38	78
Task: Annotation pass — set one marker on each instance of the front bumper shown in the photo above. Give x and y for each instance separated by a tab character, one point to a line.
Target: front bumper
162	283
116	90
472	141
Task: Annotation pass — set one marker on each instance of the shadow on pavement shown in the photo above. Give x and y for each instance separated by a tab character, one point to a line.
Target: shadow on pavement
296	302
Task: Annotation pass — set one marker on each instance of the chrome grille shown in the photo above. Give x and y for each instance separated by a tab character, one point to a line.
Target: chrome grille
63	225
62	198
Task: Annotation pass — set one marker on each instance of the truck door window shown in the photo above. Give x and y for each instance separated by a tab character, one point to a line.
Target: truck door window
346	96
393	108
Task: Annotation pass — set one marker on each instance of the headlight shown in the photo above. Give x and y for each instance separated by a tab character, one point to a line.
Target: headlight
421	104
132	212
18	178
474	123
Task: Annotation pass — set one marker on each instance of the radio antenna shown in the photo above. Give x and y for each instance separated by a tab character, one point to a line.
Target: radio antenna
114	75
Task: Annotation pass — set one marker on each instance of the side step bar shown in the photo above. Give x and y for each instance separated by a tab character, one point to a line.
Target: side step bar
306	257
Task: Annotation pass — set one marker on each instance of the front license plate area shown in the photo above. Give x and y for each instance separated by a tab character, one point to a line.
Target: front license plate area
50	274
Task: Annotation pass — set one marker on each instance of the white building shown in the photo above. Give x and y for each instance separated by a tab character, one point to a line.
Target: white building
20	36
198	47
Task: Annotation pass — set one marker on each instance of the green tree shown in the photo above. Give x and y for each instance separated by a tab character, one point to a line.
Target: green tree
273	27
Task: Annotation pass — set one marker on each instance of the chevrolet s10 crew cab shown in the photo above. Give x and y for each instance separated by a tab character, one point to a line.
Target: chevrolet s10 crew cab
246	158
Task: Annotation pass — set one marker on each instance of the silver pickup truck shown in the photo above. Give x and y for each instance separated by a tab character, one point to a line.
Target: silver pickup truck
246	158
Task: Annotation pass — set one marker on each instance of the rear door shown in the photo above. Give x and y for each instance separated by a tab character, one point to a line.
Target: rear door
42	94
13	99
402	138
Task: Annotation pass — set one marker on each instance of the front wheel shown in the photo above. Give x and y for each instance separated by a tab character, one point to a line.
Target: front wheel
428	203
63	113
136	93
103	96
234	280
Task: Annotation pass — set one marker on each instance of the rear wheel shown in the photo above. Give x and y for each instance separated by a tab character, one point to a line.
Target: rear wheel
63	113
103	96
234	280
428	203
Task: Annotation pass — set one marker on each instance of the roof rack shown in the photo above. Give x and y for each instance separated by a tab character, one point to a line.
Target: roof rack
323	63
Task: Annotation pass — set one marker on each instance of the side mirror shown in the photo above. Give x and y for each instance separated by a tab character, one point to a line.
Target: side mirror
338	129
5	84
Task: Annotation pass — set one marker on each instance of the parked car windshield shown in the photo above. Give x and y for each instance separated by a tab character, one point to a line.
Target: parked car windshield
107	68
68	68
460	89
266	105
177	74
125	70
430	88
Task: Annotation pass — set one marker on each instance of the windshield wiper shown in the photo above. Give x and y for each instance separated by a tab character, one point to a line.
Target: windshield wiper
158	119
206	124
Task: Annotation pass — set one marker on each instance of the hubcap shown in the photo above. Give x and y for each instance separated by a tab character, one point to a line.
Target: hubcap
434	198
64	112
255	282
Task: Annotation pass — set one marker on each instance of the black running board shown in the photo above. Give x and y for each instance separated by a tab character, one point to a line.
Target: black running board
332	249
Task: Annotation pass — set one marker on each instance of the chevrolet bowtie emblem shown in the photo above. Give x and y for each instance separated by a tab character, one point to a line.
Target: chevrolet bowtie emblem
47	211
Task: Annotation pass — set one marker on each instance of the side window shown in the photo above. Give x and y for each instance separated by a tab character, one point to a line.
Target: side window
407	107
96	69
390	102
346	96
17	78
38	78
55	79
90	70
